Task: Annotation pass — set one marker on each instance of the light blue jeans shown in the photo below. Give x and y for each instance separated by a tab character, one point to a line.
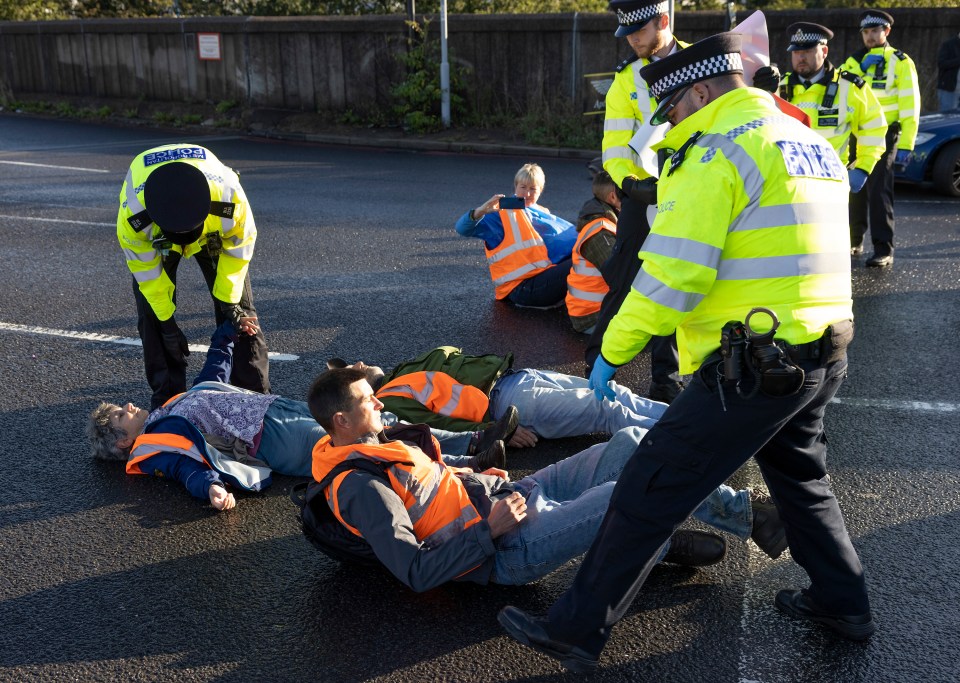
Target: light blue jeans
566	502
290	433
555	405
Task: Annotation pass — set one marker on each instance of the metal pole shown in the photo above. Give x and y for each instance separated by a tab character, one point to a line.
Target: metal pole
444	68
670	12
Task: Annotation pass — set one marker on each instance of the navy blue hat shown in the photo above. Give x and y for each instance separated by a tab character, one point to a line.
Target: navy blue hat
177	197
713	56
633	15
804	35
875	17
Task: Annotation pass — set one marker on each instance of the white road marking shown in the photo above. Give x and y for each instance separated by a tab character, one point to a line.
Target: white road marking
892	404
57	220
63	168
111	339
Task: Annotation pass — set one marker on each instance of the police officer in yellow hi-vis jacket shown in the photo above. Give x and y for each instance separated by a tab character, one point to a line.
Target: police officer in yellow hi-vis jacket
892	76
179	201
752	213
839	103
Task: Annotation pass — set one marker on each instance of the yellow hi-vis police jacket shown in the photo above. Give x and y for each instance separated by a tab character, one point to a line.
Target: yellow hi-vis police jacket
840	105
752	212
628	104
238	233
896	86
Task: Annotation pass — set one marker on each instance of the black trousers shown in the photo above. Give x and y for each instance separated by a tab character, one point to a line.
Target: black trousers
873	206
166	375
693	449
619	272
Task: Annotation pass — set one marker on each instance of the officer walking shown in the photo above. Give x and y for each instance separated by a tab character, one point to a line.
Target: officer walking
179	201
773	237
838	102
892	76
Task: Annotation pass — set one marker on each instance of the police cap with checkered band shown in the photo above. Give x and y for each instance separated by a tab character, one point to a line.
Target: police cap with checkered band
714	56
875	17
805	34
177	197
633	15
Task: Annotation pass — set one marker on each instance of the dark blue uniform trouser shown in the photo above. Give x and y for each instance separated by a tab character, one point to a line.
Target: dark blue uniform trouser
166	375
693	449
873	205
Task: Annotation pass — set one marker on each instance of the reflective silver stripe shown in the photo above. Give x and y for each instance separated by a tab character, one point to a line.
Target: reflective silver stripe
454	401
893	107
407	390
521	271
423	492
659	293
643	95
688	250
906	114
793	265
226	196
878	122
514	248
870	141
585	296
782	215
452	529
618	152
130	195
746	166
843	147
142	276
582	268
619	124
145	256
843	129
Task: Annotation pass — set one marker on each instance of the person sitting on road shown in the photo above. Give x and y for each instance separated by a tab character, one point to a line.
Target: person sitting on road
215	435
428	523
530	261
550	404
597	233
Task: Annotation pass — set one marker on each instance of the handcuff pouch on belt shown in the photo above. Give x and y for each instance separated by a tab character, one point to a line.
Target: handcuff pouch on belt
759	356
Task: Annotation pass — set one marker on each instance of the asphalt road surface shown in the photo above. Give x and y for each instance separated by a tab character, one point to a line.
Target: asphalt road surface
111	577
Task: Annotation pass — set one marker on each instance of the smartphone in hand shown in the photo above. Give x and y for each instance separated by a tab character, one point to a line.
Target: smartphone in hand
512	203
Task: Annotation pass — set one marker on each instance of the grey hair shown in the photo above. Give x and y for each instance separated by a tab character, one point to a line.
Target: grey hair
104	436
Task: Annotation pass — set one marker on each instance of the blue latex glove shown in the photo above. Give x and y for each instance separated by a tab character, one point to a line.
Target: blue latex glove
858	178
903	157
601	374
871	60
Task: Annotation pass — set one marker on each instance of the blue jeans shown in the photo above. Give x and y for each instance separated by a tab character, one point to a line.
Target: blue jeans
290	433
555	405
566	502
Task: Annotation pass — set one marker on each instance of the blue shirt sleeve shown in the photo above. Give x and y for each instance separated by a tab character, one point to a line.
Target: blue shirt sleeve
489	229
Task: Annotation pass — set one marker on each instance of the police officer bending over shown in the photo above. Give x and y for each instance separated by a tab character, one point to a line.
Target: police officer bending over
180	201
773	237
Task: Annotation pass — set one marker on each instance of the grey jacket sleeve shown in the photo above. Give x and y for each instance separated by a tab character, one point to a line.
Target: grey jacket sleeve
376	511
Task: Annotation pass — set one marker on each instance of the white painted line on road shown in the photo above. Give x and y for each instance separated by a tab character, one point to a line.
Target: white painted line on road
111	339
891	404
57	220
62	168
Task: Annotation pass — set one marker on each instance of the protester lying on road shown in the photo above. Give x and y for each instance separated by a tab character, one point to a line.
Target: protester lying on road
428	523
440	388
216	436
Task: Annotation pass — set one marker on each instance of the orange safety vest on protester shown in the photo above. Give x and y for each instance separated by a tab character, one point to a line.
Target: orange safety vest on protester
585	285
521	255
433	496
441	393
148	445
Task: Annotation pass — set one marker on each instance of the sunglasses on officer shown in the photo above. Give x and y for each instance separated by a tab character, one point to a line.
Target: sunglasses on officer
662	114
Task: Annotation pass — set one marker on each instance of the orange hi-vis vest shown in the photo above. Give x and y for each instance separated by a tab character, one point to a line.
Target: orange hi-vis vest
147	445
434	497
441	393
521	255
585	285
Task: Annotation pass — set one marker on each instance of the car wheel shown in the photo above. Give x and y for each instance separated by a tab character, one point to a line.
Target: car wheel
946	170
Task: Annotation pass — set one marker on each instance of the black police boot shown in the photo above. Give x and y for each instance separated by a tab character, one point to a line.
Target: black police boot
495	456
501	430
532	632
690	548
768	532
852	626
664	392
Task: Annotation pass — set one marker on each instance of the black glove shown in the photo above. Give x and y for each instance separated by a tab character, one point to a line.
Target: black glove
231	312
642	191
174	341
767	78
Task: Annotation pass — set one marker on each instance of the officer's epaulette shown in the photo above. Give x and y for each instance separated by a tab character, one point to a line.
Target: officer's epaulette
901	55
853	78
626	62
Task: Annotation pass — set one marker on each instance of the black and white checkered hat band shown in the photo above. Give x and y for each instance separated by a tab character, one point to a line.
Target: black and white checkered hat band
800	38
873	21
640	15
698	71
